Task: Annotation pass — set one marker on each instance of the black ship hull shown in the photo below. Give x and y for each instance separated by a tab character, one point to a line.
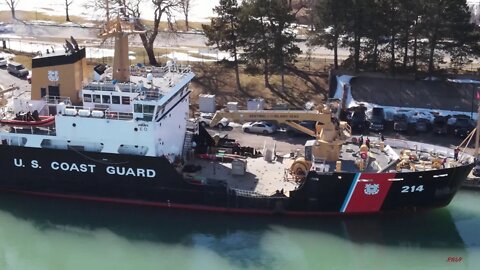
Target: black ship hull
154	181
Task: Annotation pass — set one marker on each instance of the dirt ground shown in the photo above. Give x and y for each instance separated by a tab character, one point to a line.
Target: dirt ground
301	85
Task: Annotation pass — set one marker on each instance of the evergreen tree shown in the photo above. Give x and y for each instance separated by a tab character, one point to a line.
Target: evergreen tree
223	31
446	25
463	36
329	25
356	28
408	16
376	32
268	34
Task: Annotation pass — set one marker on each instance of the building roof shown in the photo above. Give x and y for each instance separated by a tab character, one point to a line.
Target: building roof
58	58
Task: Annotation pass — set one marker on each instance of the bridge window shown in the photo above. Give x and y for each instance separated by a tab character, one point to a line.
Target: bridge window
97	99
148	109
87	98
106	99
138	108
125	100
115	100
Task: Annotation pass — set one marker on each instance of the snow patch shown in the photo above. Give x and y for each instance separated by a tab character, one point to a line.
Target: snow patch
343	82
179	56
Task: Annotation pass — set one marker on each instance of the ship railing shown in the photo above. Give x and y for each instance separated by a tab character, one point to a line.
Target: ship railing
142	71
109	86
249	193
53	100
114	115
159	71
80	111
150	95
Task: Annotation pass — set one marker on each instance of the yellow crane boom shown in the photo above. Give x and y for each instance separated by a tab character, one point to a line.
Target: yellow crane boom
329	132
323	118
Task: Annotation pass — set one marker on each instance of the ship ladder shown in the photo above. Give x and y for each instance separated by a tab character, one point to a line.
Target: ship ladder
187	145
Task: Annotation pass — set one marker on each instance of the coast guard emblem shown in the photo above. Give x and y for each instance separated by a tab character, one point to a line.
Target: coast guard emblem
372	189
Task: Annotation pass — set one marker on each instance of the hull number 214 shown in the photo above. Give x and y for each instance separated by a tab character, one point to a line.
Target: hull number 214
410	189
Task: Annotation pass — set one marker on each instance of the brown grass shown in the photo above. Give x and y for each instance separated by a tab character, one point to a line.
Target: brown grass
300	86
26	60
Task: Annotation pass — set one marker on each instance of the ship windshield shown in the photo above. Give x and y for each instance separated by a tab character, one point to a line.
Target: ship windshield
147	111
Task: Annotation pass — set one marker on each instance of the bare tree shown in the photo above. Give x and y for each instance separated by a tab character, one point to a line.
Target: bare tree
160	8
67	7
12	4
186	6
130	10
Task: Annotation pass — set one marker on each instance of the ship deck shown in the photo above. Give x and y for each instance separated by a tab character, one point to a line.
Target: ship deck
261	177
269	177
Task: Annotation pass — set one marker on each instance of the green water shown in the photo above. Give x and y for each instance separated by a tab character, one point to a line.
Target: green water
51	234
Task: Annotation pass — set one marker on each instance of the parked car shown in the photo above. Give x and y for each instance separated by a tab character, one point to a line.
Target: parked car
422	125
377	119
358	121
440	125
295	132
400	122
3	61
5	28
259	127
476	169
204	119
462	127
17	69
29	77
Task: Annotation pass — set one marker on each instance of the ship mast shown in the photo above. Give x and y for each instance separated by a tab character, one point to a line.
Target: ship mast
119	29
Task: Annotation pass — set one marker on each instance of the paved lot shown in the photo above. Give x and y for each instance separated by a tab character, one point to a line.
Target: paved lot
285	144
6	80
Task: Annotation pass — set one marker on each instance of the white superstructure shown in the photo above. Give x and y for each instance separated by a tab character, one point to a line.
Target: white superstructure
147	116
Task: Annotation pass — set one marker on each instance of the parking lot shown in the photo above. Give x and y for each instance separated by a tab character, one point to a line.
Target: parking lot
286	144
7	80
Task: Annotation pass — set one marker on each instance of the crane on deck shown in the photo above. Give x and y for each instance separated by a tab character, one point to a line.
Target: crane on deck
330	132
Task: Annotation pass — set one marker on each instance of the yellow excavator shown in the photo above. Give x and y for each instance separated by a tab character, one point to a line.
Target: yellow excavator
330	133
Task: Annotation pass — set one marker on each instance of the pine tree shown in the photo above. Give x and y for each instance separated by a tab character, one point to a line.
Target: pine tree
223	31
268	35
329	25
